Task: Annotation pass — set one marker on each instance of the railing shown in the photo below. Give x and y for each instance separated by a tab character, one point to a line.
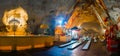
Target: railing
24	42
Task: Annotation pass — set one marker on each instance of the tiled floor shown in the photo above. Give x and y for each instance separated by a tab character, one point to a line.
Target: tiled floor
96	49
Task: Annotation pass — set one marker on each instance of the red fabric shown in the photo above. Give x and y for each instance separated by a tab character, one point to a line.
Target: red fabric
110	35
111	39
110	43
113	30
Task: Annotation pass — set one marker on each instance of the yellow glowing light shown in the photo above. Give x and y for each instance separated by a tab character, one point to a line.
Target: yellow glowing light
15	18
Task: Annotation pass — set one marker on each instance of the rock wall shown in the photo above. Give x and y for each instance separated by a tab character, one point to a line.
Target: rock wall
39	11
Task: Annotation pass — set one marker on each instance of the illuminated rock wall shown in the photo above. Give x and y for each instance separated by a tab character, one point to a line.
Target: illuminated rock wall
15	21
39	11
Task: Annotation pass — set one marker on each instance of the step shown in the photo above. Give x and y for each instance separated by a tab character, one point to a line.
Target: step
67	44
87	45
73	46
